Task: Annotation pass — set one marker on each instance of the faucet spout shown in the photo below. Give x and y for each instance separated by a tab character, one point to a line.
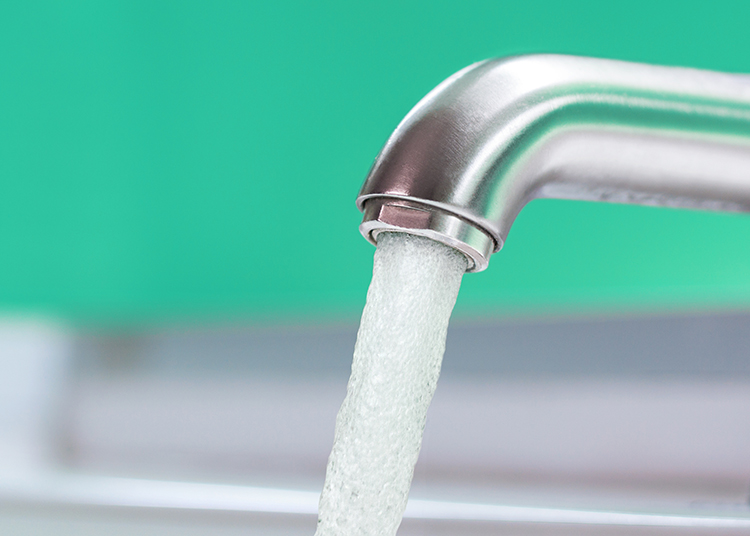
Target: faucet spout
499	133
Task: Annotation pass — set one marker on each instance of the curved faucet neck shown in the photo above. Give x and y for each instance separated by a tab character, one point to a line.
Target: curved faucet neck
464	162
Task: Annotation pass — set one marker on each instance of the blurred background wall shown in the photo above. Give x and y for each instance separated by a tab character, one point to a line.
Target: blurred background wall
198	161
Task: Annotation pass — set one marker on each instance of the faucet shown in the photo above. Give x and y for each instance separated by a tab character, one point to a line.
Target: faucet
499	133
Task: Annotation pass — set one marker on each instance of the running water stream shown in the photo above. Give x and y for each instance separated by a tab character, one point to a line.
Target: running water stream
396	365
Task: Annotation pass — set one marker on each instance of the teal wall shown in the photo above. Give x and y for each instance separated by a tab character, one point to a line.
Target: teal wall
181	160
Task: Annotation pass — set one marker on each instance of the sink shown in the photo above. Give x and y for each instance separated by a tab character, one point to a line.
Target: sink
227	429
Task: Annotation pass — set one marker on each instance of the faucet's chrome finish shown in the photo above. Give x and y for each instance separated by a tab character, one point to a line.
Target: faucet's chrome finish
474	151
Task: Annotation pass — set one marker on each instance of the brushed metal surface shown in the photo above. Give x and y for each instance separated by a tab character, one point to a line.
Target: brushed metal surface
502	132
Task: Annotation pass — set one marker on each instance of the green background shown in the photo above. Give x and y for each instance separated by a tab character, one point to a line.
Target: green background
194	161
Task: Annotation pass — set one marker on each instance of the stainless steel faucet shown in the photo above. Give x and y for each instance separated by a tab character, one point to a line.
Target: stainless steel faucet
499	133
